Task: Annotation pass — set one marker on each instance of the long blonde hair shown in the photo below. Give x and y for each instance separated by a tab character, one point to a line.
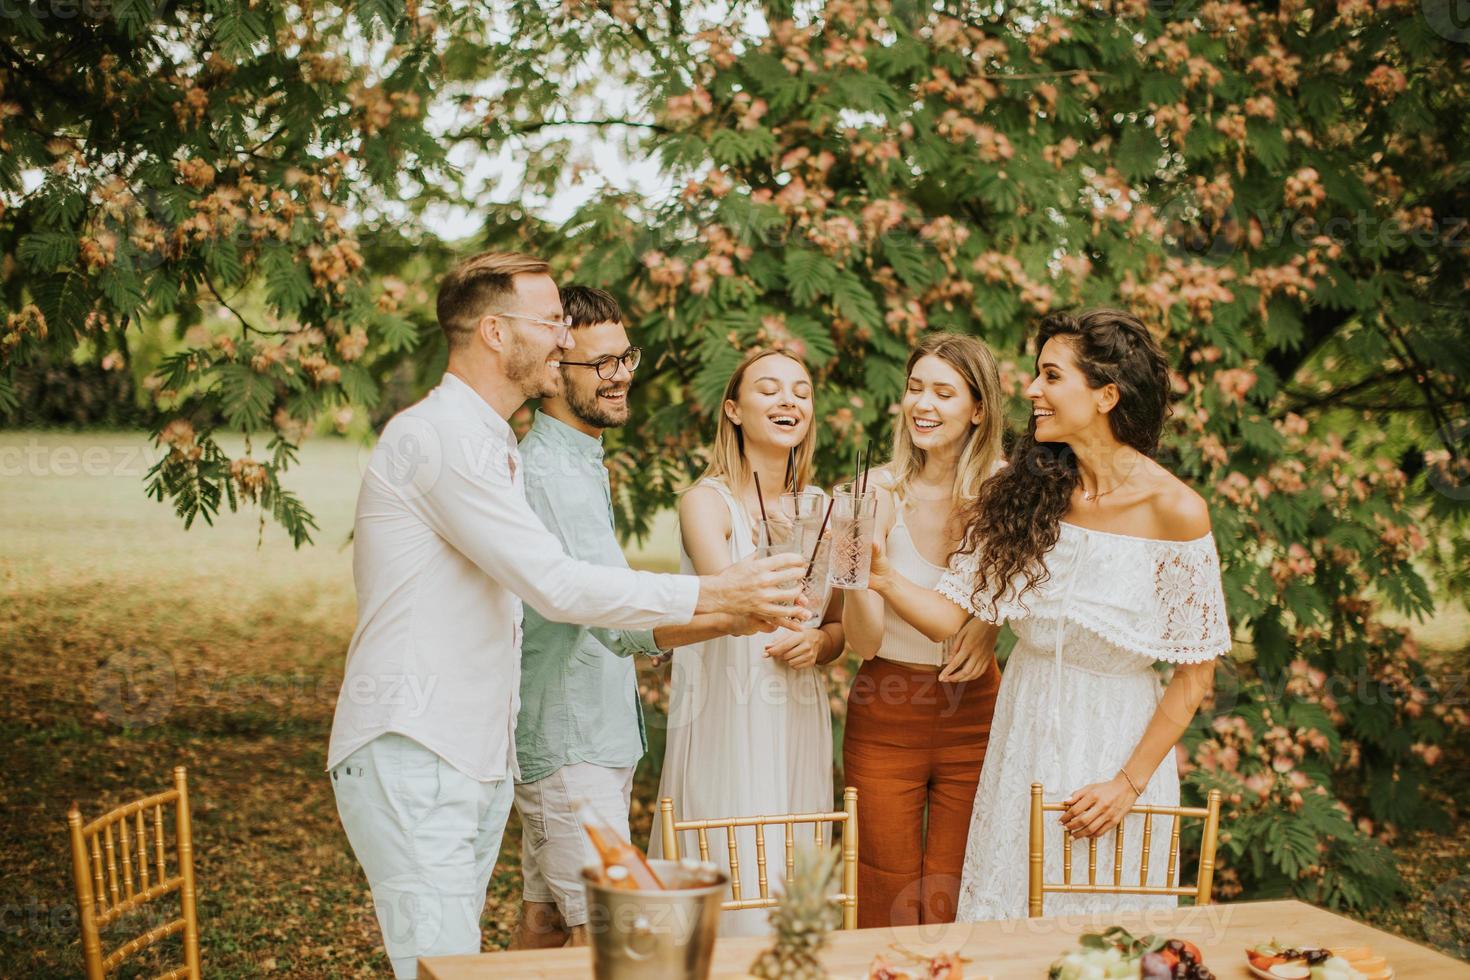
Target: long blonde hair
727	455
982	449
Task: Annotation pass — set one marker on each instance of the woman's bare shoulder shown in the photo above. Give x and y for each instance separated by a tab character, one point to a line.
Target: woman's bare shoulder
1179	512
882	476
703	504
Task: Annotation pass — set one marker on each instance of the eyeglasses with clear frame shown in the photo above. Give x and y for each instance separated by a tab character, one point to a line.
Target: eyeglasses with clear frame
607	366
563	327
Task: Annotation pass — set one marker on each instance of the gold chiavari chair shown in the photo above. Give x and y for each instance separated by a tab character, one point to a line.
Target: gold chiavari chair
110	860
1204	878
845	818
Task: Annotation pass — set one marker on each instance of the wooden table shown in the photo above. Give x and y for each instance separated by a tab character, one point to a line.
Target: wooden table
1018	947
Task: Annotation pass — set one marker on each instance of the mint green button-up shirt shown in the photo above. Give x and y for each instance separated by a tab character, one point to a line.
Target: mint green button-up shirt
579	688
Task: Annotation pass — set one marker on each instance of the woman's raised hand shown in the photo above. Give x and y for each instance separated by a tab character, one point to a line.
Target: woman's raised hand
799	650
972	651
880	574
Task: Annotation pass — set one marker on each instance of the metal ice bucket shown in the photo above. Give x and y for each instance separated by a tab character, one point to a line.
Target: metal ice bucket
668	935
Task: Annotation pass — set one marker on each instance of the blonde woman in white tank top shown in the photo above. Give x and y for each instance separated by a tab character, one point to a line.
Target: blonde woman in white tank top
750	723
919	712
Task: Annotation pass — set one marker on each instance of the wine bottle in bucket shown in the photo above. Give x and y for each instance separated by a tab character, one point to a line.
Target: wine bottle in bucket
623	865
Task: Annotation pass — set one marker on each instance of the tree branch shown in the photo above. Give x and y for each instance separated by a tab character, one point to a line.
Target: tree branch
535	127
1419	371
255	150
547	123
1306	400
238	316
1319	326
1397	406
1040	74
653	50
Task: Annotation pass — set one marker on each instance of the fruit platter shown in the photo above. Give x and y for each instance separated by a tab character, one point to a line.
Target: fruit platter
918	966
1278	961
1117	953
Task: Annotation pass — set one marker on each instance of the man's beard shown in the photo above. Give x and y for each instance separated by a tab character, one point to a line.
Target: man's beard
527	369
587	407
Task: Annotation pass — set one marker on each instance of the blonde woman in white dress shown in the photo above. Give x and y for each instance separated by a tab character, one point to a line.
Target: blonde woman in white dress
1104	564
750	725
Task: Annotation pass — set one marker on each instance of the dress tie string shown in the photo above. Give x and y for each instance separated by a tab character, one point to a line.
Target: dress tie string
1056	679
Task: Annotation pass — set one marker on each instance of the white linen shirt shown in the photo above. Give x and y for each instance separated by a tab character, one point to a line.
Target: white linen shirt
444	549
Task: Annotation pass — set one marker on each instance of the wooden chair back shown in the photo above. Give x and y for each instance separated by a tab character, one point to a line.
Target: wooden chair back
1204	878
120	864
846	818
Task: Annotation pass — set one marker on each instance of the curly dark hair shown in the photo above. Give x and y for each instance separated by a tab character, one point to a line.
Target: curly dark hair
1016	519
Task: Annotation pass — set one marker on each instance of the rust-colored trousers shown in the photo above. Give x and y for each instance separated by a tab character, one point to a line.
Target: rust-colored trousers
913	745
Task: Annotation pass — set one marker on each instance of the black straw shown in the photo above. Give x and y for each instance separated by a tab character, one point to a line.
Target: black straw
759	497
818	546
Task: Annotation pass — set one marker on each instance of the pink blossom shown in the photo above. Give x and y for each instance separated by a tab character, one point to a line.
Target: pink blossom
1385	82
1235	383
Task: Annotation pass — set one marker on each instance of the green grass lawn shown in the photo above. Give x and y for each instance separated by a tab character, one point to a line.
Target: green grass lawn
236	642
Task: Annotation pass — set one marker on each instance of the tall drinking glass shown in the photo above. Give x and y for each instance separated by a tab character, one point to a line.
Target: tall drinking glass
778	535
805	510
853	517
816	584
777	538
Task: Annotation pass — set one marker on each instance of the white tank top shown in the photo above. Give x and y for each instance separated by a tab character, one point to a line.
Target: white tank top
901	642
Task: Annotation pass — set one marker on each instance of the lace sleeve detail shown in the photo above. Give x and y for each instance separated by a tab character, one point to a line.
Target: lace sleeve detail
958	586
1190	624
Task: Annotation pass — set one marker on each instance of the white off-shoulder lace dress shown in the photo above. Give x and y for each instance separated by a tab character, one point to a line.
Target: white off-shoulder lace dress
1077	693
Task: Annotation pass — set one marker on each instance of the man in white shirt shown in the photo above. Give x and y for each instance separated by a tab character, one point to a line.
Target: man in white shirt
422	753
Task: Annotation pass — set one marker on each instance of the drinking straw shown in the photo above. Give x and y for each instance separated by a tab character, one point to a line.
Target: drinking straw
857	493
867	458
820	532
760	497
791	469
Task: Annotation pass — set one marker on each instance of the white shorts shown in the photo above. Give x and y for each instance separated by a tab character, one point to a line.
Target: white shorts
427	836
554	847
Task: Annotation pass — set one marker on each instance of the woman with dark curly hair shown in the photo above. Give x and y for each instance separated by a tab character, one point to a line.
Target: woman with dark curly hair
1103	563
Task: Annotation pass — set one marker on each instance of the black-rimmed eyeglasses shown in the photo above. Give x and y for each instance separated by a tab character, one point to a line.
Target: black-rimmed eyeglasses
607	367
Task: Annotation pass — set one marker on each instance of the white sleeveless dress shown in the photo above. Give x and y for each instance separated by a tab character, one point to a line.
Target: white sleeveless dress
1077	693
748	736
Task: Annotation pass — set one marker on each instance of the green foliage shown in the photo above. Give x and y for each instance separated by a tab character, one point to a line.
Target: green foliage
211	171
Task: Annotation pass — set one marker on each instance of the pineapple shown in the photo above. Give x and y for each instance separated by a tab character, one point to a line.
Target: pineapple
803	919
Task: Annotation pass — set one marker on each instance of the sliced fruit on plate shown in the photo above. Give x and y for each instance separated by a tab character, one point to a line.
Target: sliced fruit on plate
1277	961
1335	968
1362	959
1367	964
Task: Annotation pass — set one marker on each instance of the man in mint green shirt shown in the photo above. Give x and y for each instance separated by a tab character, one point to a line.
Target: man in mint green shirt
580	732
